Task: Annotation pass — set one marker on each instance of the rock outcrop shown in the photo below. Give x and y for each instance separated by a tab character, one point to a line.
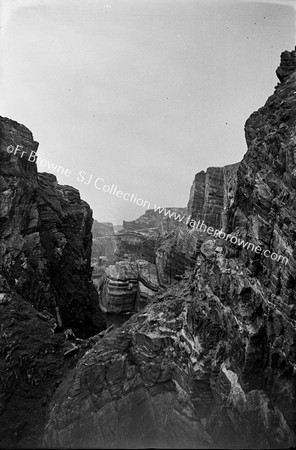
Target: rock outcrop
134	245
188	371
128	286
176	253
211	195
32	364
45	283
211	362
287	65
45	232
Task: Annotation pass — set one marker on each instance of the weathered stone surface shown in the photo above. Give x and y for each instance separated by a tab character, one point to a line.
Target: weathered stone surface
215	374
65	236
45	236
176	253
127	286
287	65
45	284
211	361
136	245
31	365
264	210
212	194
171	246
155	220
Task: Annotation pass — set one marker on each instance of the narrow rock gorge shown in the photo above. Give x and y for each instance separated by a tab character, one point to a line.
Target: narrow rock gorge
150	253
210	362
208	357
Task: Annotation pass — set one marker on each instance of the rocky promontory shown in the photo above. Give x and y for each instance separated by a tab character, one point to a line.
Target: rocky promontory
45	283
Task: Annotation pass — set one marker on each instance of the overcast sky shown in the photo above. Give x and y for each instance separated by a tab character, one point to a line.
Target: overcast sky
141	93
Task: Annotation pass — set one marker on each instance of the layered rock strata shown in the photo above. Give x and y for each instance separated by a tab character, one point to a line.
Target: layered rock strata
45	284
135	245
212	194
264	210
176	254
197	368
287	65
165	242
127	286
45	232
155	220
211	362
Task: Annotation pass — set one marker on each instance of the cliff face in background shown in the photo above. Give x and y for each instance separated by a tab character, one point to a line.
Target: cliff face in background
128	286
210	362
212	194
153	219
166	244
45	281
102	229
104	242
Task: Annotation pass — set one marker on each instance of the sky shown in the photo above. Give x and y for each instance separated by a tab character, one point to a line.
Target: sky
139	94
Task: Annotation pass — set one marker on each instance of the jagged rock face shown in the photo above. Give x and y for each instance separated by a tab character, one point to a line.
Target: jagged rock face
213	364
287	65
264	210
176	253
199	369
13	163
212	194
170	245
45	232
149	391
127	286
154	220
65	235
137	245
45	282
261	336
31	366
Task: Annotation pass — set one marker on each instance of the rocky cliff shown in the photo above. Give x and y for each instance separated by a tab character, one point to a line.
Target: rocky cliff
128	286
160	240
140	238
210	363
45	236
211	195
186	372
169	253
102	229
134	245
104	242
45	281
154	220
